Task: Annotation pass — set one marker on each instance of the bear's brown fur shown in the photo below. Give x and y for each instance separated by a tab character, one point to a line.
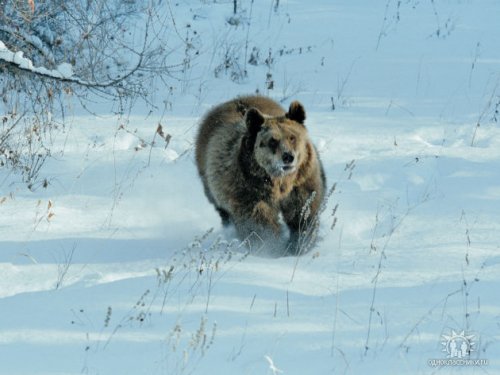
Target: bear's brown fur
256	162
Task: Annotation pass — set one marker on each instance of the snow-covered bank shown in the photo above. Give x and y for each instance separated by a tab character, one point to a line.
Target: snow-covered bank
121	266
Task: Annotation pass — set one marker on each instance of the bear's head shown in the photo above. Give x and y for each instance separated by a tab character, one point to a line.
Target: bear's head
281	143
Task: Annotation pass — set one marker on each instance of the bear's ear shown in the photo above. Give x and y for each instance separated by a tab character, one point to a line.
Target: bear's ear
296	112
254	120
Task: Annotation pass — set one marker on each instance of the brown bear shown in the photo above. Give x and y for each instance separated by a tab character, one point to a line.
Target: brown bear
257	164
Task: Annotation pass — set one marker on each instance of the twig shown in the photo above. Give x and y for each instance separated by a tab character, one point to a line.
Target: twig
483	113
64	268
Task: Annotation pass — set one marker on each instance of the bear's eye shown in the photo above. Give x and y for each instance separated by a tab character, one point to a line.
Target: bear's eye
262	144
273	143
292	139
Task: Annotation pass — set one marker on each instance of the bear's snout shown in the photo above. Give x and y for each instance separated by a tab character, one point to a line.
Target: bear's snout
287	157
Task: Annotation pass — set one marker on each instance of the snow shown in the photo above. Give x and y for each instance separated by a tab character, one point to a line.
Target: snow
63	70
66	70
5	53
128	271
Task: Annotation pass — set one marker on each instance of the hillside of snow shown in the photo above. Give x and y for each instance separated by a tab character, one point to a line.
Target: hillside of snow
121	266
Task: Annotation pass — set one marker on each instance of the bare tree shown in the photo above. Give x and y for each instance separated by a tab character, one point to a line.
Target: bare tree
88	50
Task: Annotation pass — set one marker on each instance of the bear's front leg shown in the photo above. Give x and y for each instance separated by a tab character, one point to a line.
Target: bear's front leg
300	212
258	224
